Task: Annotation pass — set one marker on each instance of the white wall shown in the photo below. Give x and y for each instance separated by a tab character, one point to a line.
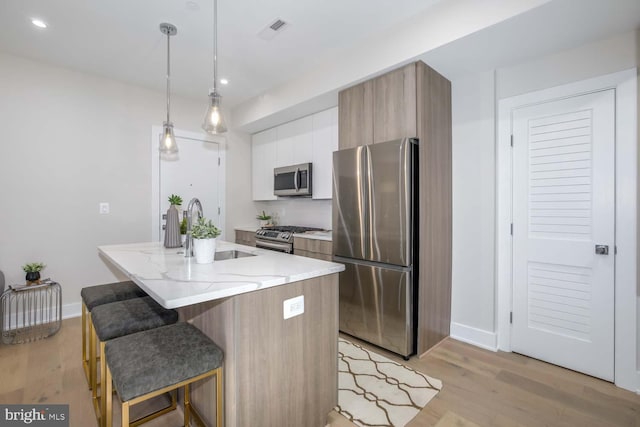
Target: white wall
72	140
301	212
473	300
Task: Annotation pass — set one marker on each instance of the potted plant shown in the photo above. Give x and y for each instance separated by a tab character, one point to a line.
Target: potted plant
183	229
172	225
33	272
204	234
263	218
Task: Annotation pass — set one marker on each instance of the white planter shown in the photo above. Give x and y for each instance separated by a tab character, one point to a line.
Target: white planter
205	250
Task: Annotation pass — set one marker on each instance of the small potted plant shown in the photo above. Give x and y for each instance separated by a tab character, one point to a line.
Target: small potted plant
33	272
263	218
175	200
183	229
204	234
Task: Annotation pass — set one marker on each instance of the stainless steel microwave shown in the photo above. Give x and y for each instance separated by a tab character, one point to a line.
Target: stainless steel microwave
292	180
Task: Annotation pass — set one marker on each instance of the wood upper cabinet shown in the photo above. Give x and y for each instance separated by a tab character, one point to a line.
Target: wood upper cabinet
394	105
379	110
355	115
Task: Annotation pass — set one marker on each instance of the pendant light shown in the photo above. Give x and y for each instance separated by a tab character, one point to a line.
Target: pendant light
168	139
214	121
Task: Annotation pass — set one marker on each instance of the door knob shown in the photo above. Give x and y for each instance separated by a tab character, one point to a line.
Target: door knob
602	249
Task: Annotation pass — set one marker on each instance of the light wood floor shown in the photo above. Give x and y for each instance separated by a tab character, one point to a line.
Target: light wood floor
481	388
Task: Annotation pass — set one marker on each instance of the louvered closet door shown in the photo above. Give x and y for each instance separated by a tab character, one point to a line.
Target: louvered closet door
563	206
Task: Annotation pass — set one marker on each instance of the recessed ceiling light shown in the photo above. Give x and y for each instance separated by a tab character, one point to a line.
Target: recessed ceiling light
39	23
224	81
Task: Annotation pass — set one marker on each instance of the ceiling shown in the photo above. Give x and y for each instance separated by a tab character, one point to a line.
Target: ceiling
120	39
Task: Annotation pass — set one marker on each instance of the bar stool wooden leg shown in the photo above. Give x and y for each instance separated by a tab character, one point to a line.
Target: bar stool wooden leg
108	413
85	362
92	361
125	414
219	410
187	404
103	384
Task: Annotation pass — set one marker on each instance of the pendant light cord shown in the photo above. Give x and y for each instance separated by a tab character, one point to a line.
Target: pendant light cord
168	77
215	46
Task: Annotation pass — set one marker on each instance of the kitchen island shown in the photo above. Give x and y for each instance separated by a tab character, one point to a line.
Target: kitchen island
280	367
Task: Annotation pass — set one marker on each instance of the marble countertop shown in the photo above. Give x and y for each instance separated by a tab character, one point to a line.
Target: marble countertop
175	281
317	235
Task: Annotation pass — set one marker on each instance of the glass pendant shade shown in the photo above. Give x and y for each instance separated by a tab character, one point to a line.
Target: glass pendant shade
168	139
214	120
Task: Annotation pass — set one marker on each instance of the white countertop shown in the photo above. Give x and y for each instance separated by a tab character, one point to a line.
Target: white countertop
316	235
175	281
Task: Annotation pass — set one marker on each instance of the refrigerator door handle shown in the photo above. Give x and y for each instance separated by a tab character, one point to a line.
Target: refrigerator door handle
365	200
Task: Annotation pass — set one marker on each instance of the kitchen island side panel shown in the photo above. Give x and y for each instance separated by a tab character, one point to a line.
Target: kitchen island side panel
277	371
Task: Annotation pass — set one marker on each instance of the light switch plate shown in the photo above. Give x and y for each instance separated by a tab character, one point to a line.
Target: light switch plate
104	207
293	307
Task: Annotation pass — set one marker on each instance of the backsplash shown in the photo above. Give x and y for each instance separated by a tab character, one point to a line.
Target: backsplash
296	211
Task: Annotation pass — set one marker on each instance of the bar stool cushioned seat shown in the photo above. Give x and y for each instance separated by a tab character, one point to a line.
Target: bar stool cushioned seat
153	362
93	296
170	354
122	318
130	316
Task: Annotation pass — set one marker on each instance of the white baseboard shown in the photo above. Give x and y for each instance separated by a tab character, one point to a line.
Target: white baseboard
71	310
478	337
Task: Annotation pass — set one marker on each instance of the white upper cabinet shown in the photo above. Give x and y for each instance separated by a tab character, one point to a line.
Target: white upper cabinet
263	160
294	144
325	142
311	139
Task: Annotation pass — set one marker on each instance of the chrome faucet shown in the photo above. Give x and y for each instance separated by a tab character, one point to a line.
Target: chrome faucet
188	246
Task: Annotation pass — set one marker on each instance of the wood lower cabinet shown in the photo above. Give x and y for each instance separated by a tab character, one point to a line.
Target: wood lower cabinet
414	101
312	248
247	238
277	372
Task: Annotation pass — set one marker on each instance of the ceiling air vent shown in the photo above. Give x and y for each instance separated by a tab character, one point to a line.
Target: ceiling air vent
273	29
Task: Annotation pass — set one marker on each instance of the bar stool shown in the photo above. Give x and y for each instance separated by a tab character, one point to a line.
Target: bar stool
122	318
93	296
153	362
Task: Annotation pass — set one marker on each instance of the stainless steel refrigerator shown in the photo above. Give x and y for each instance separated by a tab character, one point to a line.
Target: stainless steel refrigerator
374	236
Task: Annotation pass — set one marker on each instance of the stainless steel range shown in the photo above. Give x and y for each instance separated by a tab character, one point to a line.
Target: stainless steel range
279	237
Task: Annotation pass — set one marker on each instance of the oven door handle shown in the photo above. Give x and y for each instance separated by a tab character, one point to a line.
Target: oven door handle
277	246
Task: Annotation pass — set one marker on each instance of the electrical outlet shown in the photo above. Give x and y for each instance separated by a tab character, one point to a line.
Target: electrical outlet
104	208
293	307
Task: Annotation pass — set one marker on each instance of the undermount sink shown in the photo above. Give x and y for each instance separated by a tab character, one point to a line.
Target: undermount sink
225	255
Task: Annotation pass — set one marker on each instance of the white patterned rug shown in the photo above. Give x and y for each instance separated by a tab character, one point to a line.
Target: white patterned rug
376	391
